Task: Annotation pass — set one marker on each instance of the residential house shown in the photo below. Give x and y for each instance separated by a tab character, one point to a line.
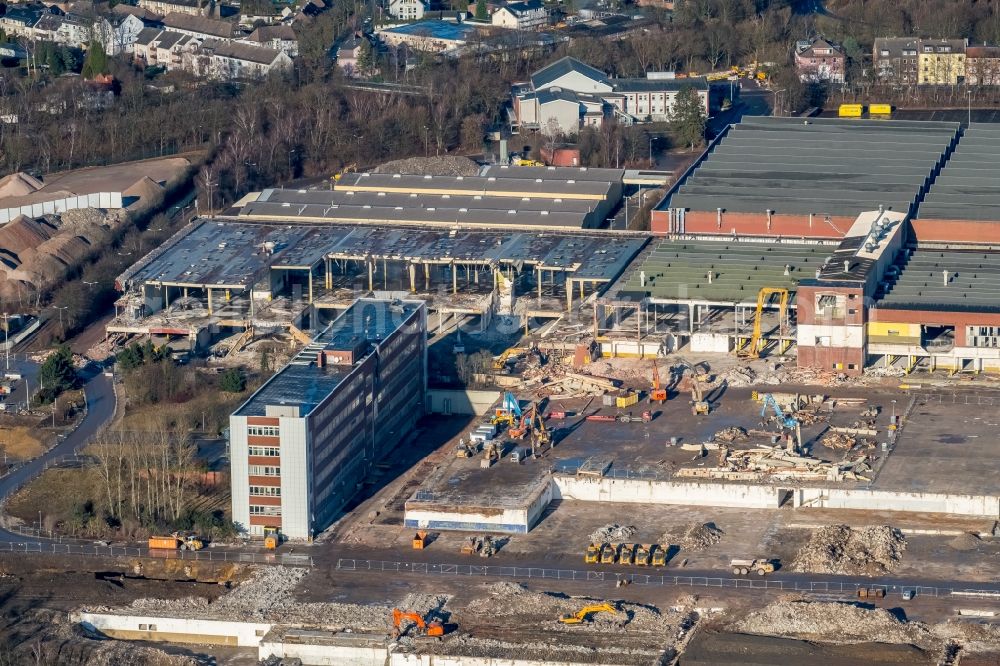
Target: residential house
162	48
526	15
164	7
895	59
46	29
278	37
407	10
348	52
820	61
982	65
148	18
942	61
118	33
552	91
77	30
201	27
432	36
490	8
20	20
225	60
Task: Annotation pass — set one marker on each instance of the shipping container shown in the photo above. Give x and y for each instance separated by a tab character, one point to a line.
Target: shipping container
851	110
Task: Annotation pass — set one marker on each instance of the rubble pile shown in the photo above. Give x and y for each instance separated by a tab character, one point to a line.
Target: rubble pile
739	377
882	371
613	533
840	549
832	622
838	440
964	541
731	434
699	536
442	165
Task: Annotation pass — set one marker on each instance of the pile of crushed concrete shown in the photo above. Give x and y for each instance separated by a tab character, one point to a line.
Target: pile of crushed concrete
267	596
699	536
835	622
840	549
443	165
613	533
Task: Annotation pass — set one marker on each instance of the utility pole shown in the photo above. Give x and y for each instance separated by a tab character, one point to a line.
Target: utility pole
6	339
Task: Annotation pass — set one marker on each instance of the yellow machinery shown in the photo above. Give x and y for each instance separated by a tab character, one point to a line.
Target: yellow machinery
642	553
627	555
501	361
851	110
699	406
584	613
609	554
658	394
593	554
659	555
759	567
520	161
752	350
350	168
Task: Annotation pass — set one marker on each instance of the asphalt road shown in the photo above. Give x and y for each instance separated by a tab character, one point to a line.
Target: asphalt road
100	408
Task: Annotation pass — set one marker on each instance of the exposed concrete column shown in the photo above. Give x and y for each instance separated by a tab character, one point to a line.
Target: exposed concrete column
310	285
210	300
413	278
596	305
166	297
539	281
371	275
185	292
427	277
569	295
691	309
475	276
328	275
454	278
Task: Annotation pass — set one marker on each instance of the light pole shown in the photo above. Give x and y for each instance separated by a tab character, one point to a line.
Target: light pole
6	339
651	139
426	139
774	111
62	326
969	93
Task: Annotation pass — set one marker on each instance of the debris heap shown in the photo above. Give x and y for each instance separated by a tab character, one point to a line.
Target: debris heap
833	622
731	434
442	165
839	549
613	533
700	536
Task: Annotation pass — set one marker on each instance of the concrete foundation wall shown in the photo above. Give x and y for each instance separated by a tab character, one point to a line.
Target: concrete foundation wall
882	500
711	342
471	402
175	630
665	492
437	660
325	655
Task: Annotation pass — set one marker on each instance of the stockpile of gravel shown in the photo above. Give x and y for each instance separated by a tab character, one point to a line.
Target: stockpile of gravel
839	549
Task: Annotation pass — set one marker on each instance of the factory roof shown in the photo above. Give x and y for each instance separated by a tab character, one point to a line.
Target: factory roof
873	234
237	254
968	187
972	283
822	166
444	30
504	185
579	174
305	383
716	271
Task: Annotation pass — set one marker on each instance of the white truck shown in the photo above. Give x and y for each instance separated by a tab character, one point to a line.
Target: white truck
745	567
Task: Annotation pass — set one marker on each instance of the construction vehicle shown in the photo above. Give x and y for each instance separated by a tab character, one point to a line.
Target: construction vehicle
593	554
520	161
744	567
658	394
176	541
659	555
642	553
350	168
627	554
464	449
433	628
492	452
609	553
484	546
699	406
787	422
272	538
501	361
584	613
420	540
752	350
509	411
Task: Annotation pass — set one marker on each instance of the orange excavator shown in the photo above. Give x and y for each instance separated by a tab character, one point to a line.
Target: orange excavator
433	628
658	394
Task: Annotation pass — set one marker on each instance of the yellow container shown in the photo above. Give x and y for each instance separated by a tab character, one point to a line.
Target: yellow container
851	110
627	401
880	110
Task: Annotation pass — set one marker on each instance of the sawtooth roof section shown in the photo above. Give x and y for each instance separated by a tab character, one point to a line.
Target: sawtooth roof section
823	166
674	270
968	187
973	282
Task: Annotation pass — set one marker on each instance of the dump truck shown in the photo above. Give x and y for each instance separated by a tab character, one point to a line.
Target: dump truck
593	554
642	553
659	555
627	554
176	541
609	554
759	567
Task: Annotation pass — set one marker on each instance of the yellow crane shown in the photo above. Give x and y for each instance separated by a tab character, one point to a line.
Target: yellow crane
584	613
752	350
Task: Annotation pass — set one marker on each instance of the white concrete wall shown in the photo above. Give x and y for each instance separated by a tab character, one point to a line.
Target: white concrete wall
438	660
514	521
840	336
239	471
665	492
883	500
325	655
296	479
472	402
710	342
243	634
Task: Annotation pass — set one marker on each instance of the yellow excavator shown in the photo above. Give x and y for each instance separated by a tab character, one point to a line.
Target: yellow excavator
350	168
584	613
752	350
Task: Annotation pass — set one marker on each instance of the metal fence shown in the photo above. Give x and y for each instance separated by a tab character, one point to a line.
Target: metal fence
819	587
961	399
209	555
